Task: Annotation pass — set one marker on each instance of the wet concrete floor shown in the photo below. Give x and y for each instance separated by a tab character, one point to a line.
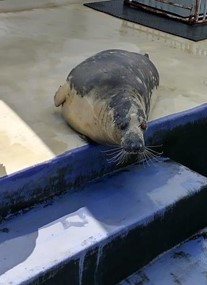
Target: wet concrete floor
40	43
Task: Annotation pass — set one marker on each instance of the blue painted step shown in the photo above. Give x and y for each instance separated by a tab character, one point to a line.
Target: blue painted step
185	264
107	229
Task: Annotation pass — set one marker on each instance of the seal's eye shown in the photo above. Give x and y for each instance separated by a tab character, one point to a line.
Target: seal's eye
143	126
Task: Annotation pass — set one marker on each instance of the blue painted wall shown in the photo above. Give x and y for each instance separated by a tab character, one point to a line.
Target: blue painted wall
75	168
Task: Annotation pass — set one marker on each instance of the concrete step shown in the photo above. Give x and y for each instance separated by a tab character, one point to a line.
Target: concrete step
107	229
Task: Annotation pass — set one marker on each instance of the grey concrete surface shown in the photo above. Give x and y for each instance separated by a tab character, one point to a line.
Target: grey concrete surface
41	41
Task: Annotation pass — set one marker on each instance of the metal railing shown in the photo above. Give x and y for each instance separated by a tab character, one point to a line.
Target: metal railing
190	11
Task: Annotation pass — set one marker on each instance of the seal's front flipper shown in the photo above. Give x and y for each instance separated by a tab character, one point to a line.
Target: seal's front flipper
60	95
2	170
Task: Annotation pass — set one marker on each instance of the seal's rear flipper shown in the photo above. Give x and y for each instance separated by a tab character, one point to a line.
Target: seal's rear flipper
60	95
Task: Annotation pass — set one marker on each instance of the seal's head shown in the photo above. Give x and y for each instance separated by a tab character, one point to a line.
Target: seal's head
132	140
130	122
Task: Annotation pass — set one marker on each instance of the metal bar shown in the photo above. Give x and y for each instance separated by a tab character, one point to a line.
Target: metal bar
174	4
205	10
154	10
197	2
197	15
200	11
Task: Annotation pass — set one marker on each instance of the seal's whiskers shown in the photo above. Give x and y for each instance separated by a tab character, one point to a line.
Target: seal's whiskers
143	159
122	157
154	146
111	151
118	156
149	156
153	151
153	155
114	146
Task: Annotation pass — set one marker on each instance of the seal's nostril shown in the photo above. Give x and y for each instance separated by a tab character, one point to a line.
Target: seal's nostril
134	146
141	148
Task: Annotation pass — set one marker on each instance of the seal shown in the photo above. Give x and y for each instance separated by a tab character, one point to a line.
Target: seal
107	98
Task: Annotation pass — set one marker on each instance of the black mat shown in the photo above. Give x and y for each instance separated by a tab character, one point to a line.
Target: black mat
117	9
